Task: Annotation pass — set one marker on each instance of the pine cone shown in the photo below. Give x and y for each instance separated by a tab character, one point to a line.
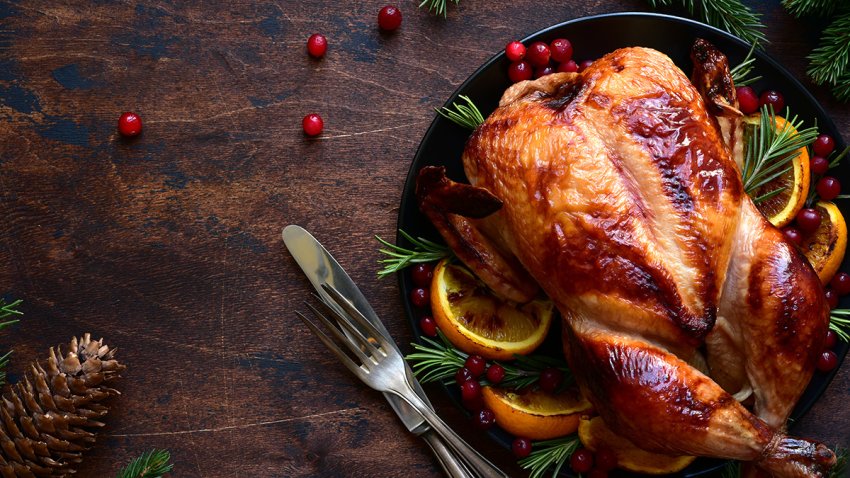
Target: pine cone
49	418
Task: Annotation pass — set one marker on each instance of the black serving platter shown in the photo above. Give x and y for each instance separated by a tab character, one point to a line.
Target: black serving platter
593	37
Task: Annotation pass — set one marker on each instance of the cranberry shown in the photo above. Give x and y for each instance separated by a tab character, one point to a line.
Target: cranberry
519	71
793	235
598	473
463	375
129	124
562	50
476	364
389	18
546	70
831	298
485	418
515	51
582	460
495	373
422	274
747	100
317	45
538	54
824	145
827	361
605	459
550	379
420	297
828	188
583	65
831	339
808	220
841	283
772	98
568	66
819	165
312	125
521	447
428	326
470	390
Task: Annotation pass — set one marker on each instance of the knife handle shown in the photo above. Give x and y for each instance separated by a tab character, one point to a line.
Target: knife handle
452	466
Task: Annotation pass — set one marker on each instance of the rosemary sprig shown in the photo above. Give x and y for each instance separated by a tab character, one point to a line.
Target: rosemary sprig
770	151
839	322
730	15
840	468
437	6
150	464
399	257
732	469
549	454
741	73
466	115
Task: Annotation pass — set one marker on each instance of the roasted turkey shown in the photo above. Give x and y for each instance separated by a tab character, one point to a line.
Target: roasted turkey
690	323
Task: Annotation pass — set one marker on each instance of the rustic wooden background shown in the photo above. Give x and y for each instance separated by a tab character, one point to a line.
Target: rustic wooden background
169	246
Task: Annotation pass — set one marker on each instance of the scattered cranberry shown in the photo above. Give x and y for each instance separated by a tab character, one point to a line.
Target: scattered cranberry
420	297
605	459
546	70
598	473
495	373
428	326
567	67
312	125
828	188
129	124
521	447
831	339
463	375
747	99
550	379
808	220
841	283
831	298
819	165
317	45
827	361
538	54
476	365
515	51
793	235
824	145
422	274
519	71
582	460
774	99
470	390
485	418
562	50
389	18
583	65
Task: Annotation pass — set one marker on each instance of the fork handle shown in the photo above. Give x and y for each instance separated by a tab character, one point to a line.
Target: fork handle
452	466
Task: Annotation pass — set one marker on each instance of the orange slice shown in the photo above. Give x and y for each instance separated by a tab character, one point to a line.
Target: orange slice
536	414
595	435
781	209
826	246
478	321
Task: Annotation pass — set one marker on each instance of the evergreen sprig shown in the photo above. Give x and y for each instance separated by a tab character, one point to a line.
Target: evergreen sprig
150	464
730	15
741	73
549	455
400	257
437	6
7	310
799	8
839	470
830	61
839	322
466	115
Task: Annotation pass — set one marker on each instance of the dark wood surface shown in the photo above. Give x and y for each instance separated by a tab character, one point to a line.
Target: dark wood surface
169	246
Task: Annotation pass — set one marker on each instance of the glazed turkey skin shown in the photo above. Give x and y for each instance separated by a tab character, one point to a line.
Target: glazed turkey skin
615	191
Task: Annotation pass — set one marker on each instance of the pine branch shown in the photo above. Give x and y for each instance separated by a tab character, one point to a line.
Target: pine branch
151	464
7	310
730	15
400	257
437	7
842	89
549	454
799	8
829	61
466	115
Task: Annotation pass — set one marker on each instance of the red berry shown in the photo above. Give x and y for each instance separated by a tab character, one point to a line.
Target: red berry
515	51
519	71
495	373
428	326
422	274
583	65
420	297
476	364
841	283
582	460
773	98
317	45
793	235
129	124
808	220
568	66
546	70
819	165
538	54
747	99
470	390
824	145
389	18
521	447
312	125
828	188
463	375
831	298
485	418
605	459
831	339
550	379
598	473
827	361
562	50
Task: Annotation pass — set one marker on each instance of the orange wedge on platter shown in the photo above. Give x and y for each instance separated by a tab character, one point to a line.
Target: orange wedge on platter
825	247
536	414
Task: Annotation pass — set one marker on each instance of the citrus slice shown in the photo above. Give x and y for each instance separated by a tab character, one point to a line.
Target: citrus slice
478	321
536	414
781	208
595	435
826	246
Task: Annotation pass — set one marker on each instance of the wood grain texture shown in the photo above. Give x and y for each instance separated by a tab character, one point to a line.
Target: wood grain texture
169	245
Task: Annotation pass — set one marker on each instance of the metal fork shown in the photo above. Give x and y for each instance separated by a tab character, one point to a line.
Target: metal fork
382	368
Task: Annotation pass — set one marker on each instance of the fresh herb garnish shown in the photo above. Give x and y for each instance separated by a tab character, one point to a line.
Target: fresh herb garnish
437	6
741	73
839	322
400	257
466	115
151	464
549	454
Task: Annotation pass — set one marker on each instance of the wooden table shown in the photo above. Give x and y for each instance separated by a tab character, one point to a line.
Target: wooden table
169	246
